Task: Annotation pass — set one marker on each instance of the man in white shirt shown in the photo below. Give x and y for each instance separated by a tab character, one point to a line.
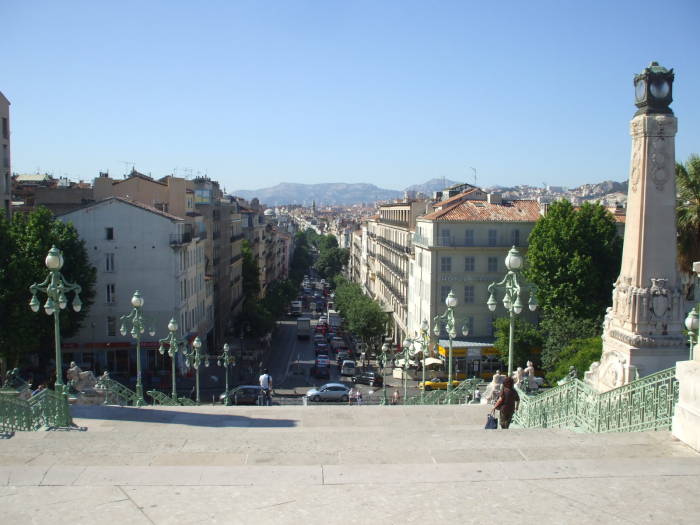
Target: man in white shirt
266	385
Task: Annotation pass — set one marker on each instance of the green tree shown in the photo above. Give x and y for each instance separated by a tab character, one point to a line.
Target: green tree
527	341
559	329
688	212
580	353
250	273
574	258
330	262
364	317
25	242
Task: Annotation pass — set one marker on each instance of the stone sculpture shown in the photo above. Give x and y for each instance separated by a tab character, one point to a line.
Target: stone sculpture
493	390
79	380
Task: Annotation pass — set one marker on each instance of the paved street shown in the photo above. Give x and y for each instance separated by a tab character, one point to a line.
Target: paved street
337	464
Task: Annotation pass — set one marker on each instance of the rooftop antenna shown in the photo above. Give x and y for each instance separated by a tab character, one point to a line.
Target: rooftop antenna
128	163
474	170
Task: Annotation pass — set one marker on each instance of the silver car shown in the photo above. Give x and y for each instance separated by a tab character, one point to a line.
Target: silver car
329	392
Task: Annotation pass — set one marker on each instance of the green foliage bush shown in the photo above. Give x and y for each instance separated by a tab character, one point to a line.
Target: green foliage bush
579	353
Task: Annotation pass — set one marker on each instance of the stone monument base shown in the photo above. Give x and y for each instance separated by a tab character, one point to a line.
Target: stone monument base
686	419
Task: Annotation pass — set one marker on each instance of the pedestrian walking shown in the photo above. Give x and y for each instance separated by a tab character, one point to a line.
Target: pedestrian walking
507	403
359	397
395	397
266	387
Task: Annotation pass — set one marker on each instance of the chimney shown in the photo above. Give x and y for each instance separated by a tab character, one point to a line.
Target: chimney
544	205
494	198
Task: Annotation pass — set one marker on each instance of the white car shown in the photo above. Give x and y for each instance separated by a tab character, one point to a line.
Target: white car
329	392
347	368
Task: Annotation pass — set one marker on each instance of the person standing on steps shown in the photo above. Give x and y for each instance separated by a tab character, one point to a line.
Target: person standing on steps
507	403
266	386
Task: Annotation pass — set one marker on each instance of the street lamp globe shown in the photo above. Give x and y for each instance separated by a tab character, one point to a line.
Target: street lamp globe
691	322
122	329
137	300
514	261
54	260
491	303
49	306
385	347
518	305
424	325
532	303
34	304
172	325
197	343
451	300
77	303
465	330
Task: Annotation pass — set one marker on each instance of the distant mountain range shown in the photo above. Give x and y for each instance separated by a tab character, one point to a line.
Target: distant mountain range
335	193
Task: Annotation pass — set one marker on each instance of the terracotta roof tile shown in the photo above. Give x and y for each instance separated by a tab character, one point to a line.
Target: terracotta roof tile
507	211
455	198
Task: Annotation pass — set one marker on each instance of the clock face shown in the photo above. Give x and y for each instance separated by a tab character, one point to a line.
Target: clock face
660	89
640	90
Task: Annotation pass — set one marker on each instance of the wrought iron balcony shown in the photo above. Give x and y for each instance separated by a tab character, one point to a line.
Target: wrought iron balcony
180	238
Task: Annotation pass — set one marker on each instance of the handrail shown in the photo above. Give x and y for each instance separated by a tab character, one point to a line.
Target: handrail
161	399
114	390
644	404
47	409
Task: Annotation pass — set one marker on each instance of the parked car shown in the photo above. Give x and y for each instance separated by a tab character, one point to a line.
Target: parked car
342	356
368	378
347	368
321	372
323	360
329	392
242	395
437	383
321	349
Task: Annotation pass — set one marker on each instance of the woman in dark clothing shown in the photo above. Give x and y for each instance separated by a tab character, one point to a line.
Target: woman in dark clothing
507	402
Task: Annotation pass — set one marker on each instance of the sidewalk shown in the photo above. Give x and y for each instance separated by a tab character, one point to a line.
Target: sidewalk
338	464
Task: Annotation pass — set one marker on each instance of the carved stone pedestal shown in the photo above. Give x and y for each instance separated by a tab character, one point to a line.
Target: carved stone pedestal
686	419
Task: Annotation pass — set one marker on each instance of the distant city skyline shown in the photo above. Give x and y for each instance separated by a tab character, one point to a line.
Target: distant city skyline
392	93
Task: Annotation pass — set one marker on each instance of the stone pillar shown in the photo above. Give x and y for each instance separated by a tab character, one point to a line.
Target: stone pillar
643	330
686	418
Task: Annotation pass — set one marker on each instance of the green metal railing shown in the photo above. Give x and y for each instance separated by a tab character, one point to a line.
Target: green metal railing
47	409
644	404
159	398
115	392
186	401
441	397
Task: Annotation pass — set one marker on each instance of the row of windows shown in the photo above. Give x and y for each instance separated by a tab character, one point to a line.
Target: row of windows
492	238
191	286
468	294
469	264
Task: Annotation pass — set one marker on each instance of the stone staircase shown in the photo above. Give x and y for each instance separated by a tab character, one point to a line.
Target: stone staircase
339	464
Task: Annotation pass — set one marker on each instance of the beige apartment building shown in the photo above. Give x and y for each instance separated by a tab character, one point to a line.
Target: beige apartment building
5	164
210	217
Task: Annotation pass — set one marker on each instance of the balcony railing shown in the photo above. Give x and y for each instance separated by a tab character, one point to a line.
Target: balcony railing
236	237
392	222
393	245
398	271
180	238
398	295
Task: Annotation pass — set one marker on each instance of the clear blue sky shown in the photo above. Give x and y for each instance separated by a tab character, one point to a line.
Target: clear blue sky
388	92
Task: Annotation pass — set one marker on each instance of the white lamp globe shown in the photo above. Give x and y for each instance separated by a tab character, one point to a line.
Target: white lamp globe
53	260
451	300
172	325
691	322
137	300
514	261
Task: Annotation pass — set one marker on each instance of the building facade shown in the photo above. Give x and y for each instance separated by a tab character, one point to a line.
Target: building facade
137	247
5	164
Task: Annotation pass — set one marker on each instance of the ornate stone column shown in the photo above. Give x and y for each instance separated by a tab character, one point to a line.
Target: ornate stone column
643	330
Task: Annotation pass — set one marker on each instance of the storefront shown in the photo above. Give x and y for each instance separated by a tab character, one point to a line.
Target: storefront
471	358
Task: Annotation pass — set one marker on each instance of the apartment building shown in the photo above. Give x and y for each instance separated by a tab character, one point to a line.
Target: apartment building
5	164
389	249
461	247
137	247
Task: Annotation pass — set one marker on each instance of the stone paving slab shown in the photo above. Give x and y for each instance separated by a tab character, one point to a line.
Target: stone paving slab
338	464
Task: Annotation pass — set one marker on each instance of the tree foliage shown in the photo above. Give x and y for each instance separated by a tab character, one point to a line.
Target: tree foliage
580	353
250	272
24	243
302	258
330	262
688	212
364	317
527	341
559	329
574	258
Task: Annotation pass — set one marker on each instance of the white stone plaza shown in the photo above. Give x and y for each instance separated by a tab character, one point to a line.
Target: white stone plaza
338	464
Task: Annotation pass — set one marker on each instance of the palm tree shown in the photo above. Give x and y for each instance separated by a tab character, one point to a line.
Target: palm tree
688	212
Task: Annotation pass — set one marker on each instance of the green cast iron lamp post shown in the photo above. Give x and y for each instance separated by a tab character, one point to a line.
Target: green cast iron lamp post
691	322
226	360
448	317
56	287
513	289
137	321
194	357
175	345
385	351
